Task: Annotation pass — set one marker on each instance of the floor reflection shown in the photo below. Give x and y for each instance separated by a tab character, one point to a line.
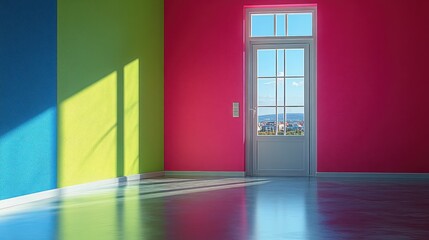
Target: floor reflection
78	220
230	208
374	208
282	213
208	215
150	209
32	225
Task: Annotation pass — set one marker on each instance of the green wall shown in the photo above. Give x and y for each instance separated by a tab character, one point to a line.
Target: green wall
110	89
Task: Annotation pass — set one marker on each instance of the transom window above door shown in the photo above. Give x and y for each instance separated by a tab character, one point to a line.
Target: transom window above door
281	24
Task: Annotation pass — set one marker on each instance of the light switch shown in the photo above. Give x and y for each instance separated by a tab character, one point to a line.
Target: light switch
235	109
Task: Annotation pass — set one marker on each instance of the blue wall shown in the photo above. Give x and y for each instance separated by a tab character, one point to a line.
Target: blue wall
28	73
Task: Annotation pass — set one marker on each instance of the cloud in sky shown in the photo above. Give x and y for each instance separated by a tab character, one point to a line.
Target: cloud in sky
298	84
269	82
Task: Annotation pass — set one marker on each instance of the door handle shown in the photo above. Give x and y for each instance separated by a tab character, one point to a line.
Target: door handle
253	110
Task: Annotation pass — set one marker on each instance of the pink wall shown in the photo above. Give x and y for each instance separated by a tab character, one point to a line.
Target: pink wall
372	84
203	76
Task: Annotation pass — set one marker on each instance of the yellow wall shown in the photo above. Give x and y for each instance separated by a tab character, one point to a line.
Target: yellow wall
110	89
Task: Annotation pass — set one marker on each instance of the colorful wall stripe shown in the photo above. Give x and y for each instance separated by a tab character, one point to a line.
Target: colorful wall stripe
203	77
110	89
27	97
81	94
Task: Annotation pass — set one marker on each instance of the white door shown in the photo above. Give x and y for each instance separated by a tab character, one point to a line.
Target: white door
279	105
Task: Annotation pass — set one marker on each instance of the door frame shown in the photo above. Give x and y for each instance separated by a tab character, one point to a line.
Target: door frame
250	42
253	101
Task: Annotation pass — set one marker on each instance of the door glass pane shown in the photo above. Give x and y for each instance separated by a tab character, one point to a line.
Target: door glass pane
280	92
266	121
280	100
280	62
295	92
295	121
266	63
262	25
299	24
295	62
280	121
280	25
266	91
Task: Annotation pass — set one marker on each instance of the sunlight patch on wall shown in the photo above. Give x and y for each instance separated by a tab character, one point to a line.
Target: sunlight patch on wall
131	118
28	156
88	134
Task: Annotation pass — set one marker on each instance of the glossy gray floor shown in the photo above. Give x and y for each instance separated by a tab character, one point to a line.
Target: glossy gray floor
231	208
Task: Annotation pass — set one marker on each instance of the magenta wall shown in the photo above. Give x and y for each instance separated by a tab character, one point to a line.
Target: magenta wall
203	76
372	82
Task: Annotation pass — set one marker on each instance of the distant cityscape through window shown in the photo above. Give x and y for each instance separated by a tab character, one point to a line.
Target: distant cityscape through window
280	91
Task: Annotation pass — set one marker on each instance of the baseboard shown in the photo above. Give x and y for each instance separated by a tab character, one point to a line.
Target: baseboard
203	174
373	175
12	202
152	174
71	190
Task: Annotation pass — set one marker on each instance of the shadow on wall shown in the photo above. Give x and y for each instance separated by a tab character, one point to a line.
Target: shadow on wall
99	129
98	138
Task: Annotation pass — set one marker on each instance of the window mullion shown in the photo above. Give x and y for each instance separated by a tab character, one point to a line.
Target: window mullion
277	118
275	25
286	34
284	90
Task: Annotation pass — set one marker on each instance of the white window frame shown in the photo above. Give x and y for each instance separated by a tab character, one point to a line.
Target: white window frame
312	42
